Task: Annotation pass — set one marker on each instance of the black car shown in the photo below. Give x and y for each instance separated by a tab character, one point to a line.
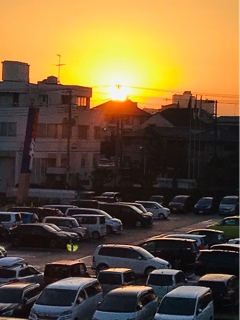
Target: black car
181	204
39	235
39	211
17	299
225	289
130	215
226	246
180	253
212	236
206	205
217	261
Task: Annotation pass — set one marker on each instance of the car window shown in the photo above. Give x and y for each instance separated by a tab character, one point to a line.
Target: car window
25	272
160	280
204	300
132	254
179	277
177	306
5	217
32	293
6	273
129	276
81	297
93	289
109	278
57	297
150	246
147	297
230	222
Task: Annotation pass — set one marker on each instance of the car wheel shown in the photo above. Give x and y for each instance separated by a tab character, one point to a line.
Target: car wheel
138	223
109	229
161	216
95	235
53	244
101	267
176	264
149	270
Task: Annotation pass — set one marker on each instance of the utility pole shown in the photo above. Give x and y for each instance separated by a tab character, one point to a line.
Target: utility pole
59	65
117	152
69	133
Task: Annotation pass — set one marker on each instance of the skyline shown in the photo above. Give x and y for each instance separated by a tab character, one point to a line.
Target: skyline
152	48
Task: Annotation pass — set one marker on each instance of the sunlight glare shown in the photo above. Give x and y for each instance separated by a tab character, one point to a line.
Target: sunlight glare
118	93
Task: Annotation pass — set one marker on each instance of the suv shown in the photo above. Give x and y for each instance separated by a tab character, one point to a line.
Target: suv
15	269
217	261
39	235
229	205
69	224
10	219
181	204
181	253
211	236
17	299
57	270
206	205
133	257
130	215
157	209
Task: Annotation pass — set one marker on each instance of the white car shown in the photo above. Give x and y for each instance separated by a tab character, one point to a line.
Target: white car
234	241
157	209
129	302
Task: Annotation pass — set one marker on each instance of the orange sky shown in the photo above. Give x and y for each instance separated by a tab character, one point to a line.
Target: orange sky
155	48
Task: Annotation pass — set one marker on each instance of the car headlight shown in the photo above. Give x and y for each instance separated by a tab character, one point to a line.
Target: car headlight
66	315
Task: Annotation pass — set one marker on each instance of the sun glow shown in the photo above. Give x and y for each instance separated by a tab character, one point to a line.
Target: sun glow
118	93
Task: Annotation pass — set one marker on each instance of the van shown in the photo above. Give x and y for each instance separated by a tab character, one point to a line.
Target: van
10	219
95	223
200	239
229	205
130	215
68	224
187	302
71	298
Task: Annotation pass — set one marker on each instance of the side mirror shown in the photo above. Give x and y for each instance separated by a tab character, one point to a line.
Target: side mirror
199	311
139	307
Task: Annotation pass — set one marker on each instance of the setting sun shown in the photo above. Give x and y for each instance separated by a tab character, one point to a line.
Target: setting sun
118	92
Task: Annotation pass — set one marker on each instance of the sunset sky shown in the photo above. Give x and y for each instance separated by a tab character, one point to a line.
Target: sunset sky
152	48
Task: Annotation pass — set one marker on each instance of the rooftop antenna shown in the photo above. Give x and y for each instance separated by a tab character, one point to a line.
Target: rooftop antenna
59	65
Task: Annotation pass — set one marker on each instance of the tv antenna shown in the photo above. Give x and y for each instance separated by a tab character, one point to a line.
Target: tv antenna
59	65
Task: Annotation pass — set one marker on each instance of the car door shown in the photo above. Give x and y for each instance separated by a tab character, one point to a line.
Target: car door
29	297
134	260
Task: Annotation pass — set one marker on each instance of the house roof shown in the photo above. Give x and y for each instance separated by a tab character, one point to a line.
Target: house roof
158	120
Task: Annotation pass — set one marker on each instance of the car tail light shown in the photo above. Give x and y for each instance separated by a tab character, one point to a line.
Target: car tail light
200	247
13	281
198	263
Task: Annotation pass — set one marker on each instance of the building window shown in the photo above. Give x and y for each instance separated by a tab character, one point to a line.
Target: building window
81	101
65	128
16	99
43	100
8	129
46	130
65	99
97	132
82	132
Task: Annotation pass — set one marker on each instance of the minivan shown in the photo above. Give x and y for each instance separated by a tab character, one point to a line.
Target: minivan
69	224
71	298
130	215
187	302
229	205
95	223
10	219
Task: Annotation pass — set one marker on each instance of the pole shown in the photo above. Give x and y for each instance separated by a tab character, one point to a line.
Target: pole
69	137
116	152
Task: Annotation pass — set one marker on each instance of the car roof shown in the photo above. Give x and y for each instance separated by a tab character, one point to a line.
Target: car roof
216	277
187	291
133	290
19	285
66	262
116	270
59	218
8	262
186	235
71	283
206	230
166	271
166	239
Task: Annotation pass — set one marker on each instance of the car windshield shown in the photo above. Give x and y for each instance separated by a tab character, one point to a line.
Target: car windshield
216	287
105	213
145	253
141	207
177	306
57	297
160	280
205	201
105	278
179	199
7	273
53	227
10	295
229	201
118	303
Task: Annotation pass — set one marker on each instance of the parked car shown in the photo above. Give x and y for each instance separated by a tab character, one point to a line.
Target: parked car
130	215
130	256
187	302
39	235
181	204
73	235
211	236
217	261
39	211
70	298
112	194
226	246
61	207
113	278
130	302
234	240
229	206
17	299
3	251
157	209
29	217
85	203
10	219
224	287
69	224
206	205
157	198
181	253
16	269
230	227
163	281
113	225
200	239
95	223
60	269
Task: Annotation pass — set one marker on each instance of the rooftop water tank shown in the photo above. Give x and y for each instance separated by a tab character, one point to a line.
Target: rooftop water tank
15	71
